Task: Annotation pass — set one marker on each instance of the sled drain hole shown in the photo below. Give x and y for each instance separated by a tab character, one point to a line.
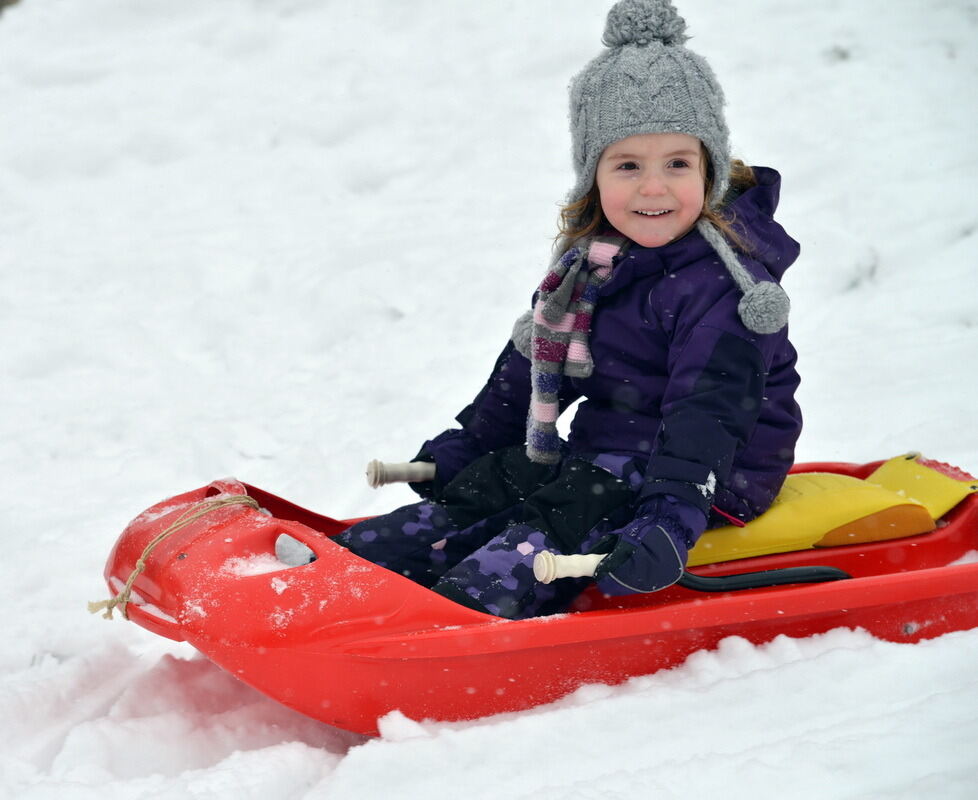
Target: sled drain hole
291	552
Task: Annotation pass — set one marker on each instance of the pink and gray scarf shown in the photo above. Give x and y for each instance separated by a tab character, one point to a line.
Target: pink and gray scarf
554	336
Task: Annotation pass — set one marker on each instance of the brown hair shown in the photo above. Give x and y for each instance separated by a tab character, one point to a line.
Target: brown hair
581	218
741	179
584	217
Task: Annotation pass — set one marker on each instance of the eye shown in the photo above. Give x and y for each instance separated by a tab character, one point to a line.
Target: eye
627	165
678	163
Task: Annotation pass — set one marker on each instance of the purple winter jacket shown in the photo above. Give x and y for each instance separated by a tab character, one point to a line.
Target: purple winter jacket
678	380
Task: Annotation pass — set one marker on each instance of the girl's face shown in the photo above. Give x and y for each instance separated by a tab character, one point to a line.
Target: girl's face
652	186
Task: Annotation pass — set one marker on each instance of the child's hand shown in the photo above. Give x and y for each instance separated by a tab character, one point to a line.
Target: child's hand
651	550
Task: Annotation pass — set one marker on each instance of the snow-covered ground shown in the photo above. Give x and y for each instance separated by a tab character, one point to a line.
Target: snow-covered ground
278	239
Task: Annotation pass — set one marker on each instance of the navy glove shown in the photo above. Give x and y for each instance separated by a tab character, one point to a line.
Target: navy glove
650	551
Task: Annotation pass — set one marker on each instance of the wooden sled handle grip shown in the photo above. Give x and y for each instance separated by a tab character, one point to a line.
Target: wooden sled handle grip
549	566
380	474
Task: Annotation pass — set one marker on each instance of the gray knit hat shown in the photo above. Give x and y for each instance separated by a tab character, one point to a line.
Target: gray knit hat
648	82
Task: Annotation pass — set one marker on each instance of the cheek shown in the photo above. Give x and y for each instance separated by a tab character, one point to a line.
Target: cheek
610	198
694	198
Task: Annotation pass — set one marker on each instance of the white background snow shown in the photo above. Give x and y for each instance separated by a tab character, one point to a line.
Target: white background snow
279	239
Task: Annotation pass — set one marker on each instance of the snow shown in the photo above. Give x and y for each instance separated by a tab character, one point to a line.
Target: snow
256	564
279	240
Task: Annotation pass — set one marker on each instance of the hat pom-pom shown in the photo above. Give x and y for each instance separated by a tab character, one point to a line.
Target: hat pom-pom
764	307
642	22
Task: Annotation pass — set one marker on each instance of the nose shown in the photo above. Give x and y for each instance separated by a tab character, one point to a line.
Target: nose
652	185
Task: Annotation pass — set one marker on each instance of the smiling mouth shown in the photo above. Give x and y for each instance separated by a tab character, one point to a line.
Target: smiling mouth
654	213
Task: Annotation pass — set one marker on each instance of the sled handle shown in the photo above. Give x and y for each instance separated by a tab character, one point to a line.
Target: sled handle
548	567
380	474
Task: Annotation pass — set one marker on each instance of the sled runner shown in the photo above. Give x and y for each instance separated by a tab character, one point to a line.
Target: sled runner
345	641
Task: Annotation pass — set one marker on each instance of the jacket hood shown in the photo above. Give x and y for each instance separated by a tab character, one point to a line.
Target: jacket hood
753	217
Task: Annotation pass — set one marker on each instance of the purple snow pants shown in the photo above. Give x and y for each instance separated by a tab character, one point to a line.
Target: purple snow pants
475	541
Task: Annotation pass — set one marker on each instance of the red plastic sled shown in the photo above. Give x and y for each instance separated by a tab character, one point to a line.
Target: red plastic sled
345	641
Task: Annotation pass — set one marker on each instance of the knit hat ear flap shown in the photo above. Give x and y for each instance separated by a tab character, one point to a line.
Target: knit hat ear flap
764	307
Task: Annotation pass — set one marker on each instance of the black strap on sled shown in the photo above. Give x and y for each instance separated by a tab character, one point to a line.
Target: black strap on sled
757	580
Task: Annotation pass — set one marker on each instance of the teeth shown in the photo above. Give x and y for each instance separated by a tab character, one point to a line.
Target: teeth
652	213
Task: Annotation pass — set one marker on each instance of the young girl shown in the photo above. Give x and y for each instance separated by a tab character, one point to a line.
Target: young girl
663	312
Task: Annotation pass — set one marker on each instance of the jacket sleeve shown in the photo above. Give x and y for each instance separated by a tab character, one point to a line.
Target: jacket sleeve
495	419
710	408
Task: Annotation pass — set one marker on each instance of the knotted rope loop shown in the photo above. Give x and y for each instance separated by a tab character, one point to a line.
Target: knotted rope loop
191	515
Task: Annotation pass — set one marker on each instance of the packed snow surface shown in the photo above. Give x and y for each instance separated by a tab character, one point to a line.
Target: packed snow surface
280	239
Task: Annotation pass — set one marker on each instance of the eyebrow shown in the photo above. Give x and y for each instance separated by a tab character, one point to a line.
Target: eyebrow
673	154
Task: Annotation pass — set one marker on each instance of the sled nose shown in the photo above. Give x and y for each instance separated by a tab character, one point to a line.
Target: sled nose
151	565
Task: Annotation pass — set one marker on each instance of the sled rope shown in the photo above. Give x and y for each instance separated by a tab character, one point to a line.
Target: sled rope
192	514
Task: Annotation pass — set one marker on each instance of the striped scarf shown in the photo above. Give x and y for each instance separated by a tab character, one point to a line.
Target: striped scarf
561	320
